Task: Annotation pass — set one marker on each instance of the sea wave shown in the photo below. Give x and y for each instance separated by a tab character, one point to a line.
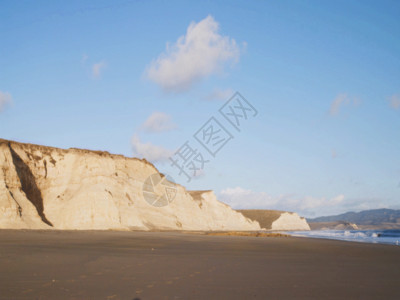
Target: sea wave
367	236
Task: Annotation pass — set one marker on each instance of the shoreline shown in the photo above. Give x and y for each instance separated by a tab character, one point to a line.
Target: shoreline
244	233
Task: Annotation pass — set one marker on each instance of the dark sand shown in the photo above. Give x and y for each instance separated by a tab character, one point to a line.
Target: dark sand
151	265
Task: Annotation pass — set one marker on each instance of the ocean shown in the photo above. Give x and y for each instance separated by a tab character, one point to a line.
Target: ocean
389	236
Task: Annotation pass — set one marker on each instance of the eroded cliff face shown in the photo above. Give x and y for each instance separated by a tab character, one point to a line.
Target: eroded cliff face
290	221
50	188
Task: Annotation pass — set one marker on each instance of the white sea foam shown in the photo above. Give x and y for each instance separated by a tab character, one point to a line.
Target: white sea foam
367	236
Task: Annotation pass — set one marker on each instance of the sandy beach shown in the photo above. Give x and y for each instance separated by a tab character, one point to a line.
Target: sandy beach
169	265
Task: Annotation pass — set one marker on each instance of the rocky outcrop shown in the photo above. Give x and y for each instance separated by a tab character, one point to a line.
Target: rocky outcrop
276	220
340	225
50	188
290	221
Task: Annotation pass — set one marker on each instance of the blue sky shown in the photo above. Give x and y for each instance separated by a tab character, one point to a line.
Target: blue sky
140	78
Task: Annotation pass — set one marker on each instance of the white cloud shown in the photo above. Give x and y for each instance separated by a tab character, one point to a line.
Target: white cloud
5	100
218	94
158	122
240	198
394	102
152	153
196	55
335	106
340	101
308	203
97	69
359	204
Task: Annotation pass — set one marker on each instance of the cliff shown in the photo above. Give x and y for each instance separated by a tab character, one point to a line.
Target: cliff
50	188
276	220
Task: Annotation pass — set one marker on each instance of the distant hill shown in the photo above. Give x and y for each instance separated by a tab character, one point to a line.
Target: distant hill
366	217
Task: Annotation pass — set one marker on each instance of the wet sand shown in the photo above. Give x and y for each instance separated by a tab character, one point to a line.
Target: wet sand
154	265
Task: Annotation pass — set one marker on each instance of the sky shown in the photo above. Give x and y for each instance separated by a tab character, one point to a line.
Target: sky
314	128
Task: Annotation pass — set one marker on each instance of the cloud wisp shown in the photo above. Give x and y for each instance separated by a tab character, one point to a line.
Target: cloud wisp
84	58
219	95
334	153
340	101
152	153
201	52
5	100
158	122
394	102
98	68
240	198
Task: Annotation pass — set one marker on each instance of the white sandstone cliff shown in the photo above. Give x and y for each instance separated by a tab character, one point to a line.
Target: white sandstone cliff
50	188
290	221
276	220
